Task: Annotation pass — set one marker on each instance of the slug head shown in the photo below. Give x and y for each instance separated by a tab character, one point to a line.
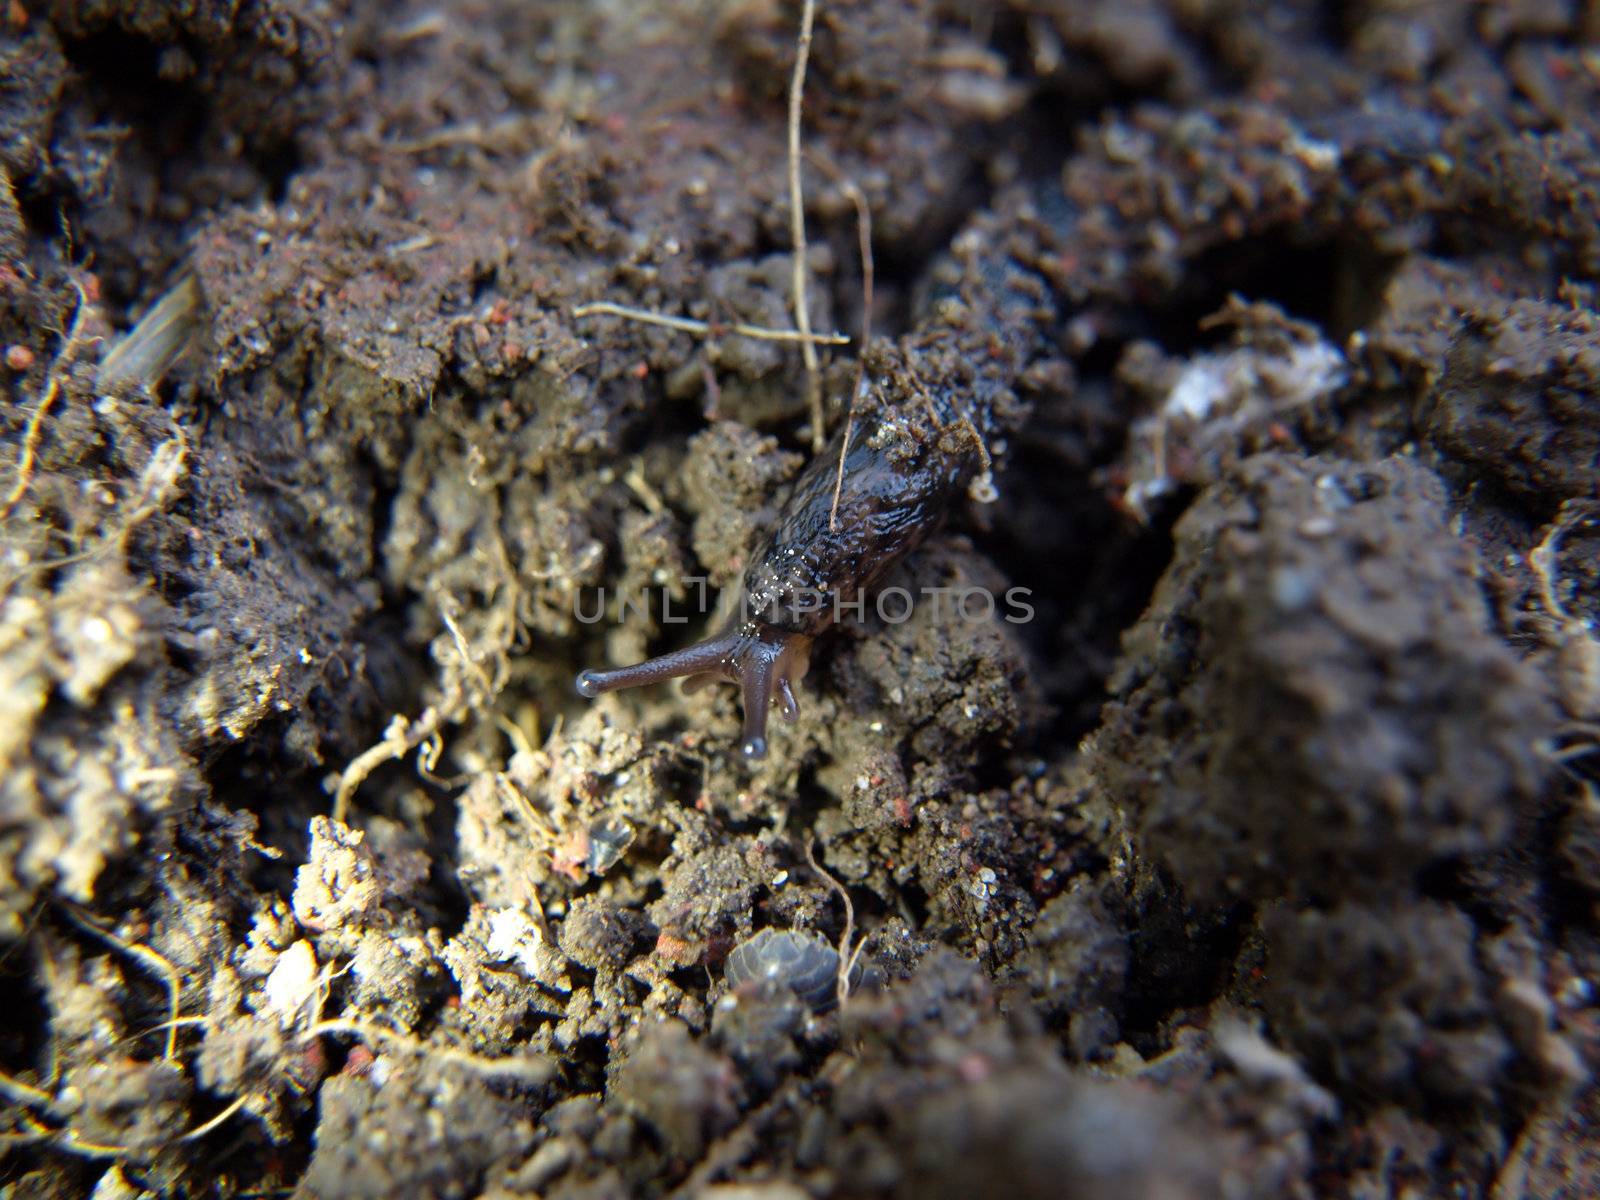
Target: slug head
764	662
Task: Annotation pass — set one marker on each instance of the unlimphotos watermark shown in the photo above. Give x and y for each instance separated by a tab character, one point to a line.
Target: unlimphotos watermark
892	605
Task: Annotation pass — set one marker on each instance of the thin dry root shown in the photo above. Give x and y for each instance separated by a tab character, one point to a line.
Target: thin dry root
531	1068
30	446
66	1138
216	1122
864	239
847	955
25	1094
1543	556
467	690
146	958
797	222
35	427
399	739
706	329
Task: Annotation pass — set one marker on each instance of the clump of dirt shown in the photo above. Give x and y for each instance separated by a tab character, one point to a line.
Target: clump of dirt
1341	716
1220	819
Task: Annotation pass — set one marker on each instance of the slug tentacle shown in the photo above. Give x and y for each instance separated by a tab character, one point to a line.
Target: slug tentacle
757	687
692	660
761	659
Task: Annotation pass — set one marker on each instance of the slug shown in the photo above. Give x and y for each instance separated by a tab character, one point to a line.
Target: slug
922	438
902	471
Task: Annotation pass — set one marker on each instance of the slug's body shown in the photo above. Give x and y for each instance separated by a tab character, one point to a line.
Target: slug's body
902	471
941	394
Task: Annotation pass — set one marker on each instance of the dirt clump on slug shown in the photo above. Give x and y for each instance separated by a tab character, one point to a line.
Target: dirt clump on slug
1208	809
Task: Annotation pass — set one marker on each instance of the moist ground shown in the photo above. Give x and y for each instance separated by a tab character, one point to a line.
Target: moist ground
1262	860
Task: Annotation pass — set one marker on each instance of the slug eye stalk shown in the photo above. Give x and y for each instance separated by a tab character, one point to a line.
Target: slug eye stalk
764	661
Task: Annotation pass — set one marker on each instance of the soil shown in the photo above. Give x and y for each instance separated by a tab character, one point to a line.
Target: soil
1261	859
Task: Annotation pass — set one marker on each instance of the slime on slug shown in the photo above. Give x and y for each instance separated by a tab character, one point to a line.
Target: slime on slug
903	468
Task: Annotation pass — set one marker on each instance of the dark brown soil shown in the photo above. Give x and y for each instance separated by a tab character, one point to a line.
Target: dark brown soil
1261	860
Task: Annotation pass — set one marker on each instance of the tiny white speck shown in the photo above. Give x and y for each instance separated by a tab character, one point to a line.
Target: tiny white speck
97	629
